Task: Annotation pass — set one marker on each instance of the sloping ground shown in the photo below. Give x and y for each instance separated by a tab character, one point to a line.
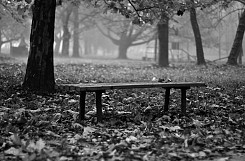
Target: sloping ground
35	127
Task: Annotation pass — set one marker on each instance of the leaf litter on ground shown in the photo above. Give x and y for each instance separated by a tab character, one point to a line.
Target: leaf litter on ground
35	127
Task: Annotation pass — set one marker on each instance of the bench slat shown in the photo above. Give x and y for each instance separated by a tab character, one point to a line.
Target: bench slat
90	87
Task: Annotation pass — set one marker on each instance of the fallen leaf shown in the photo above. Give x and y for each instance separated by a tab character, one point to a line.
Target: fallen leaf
223	159
16	139
64	158
131	138
15	152
88	130
40	144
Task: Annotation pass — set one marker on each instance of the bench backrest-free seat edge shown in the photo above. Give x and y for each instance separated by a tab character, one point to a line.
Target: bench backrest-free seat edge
92	87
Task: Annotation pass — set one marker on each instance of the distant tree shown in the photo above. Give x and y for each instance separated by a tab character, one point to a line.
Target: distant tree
10	29
58	40
163	36
66	13
197	34
58	32
76	32
83	19
237	44
124	34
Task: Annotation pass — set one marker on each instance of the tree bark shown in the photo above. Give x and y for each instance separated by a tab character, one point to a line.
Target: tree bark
232	59
66	32
197	35
162	28
240	55
75	33
40	66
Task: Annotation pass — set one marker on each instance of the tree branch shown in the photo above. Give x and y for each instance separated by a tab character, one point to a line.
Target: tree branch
108	35
129	1
10	40
140	43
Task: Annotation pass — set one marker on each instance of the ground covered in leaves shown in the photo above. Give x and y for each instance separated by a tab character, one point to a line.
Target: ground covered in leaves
46	127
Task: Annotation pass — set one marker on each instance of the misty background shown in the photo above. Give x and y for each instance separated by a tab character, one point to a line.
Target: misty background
85	32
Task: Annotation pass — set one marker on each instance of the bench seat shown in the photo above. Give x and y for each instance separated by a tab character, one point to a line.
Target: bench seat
100	88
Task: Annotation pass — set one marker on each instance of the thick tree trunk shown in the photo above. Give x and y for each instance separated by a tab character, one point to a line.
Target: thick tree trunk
40	67
66	33
232	59
162	28
122	51
197	35
75	33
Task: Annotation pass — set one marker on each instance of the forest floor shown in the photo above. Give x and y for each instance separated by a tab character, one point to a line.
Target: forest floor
45	127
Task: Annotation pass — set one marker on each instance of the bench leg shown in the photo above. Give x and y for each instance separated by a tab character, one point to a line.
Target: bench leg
82	106
183	101
99	105
166	103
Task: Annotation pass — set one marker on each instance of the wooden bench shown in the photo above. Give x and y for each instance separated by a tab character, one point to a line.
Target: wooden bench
100	88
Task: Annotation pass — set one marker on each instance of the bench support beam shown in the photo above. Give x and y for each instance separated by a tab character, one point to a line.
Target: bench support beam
82	106
166	103
99	105
183	101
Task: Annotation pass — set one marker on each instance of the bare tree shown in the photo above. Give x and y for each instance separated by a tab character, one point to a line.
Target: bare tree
124	34
66	33
237	44
10	29
197	34
75	32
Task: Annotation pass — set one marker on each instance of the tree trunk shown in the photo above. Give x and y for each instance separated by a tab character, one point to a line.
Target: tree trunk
122	51
1	42
57	44
197	35
66	41
240	55
162	28
40	66
75	33
66	32
232	59
87	47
